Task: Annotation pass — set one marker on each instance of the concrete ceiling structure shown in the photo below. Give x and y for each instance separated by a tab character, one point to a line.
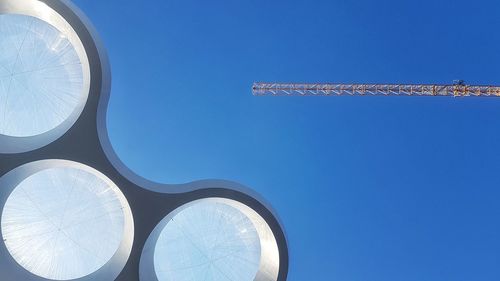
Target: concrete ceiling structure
70	209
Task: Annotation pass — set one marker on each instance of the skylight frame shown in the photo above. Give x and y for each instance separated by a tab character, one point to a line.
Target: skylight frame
12	270
269	253
41	11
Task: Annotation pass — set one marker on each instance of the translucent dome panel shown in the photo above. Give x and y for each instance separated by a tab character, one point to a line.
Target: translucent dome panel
63	223
210	241
41	76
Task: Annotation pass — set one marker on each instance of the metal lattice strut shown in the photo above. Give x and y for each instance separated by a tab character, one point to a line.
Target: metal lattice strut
295	89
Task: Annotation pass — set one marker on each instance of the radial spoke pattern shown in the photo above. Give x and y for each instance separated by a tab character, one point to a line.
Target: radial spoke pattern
41	76
208	241
63	223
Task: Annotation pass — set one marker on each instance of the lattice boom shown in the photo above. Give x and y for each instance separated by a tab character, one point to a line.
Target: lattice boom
294	89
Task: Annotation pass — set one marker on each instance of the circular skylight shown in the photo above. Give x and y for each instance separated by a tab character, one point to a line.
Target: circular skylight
64	223
42	80
212	239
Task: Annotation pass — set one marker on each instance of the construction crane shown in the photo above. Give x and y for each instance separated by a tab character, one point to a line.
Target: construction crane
457	89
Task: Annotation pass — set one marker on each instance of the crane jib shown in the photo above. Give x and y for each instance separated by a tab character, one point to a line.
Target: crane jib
330	89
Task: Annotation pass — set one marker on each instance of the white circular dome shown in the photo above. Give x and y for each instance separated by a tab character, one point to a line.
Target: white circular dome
64	223
211	239
42	80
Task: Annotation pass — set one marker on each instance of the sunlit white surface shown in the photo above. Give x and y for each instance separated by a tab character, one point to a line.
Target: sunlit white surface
208	241
63	223
41	76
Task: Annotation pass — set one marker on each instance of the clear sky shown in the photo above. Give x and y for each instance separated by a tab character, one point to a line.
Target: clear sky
368	188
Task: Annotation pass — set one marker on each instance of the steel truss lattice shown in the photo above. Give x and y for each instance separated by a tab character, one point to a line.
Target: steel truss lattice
319	89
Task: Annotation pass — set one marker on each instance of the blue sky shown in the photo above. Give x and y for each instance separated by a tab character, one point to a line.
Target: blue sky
368	188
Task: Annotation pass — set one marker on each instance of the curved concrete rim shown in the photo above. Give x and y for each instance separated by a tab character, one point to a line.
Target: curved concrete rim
9	268
39	10
268	269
